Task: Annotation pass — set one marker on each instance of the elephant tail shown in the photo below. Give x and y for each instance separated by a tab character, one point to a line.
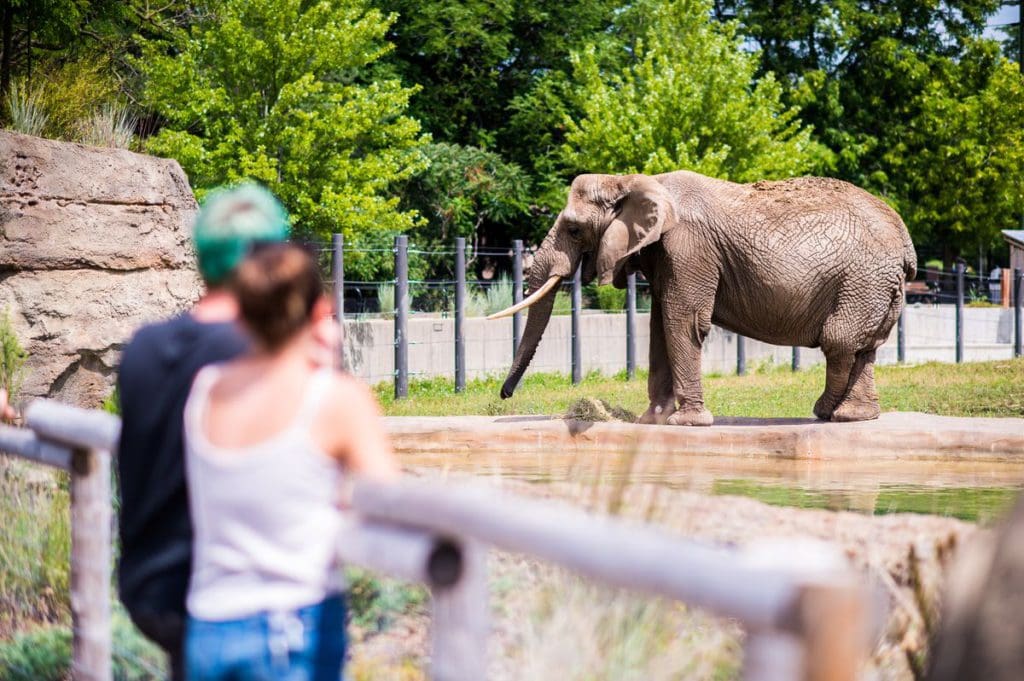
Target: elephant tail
909	257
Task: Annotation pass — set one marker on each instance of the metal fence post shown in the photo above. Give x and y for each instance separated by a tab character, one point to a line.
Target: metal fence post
401	317
90	565
517	292
741	355
1018	293
795	366
959	312
577	304
338	267
631	326
901	337
460	314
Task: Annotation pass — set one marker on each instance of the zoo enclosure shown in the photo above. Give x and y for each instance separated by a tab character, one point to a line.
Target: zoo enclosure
806	615
933	293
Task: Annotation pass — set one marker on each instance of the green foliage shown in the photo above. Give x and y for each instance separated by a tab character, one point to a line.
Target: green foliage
282	92
490	299
74	94
25	110
111	126
44	654
12	358
464	191
386	299
35	545
611	299
660	111
374	602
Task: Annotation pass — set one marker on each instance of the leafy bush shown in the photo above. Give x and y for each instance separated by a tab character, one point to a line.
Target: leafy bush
25	108
12	358
73	93
611	299
44	654
374	602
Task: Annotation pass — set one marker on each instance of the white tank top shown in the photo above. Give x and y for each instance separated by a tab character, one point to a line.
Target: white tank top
265	516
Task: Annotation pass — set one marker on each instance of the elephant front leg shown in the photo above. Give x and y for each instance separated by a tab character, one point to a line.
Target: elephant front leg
687	330
659	379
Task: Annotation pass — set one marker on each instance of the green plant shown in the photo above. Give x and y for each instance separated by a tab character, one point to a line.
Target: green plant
643	302
44	654
611	299
386	298
563	303
113	125
374	602
72	94
25	108
12	358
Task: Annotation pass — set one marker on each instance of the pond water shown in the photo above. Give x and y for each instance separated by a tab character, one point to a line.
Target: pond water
976	491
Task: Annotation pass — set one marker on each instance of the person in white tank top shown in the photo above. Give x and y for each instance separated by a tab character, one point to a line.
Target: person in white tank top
268	438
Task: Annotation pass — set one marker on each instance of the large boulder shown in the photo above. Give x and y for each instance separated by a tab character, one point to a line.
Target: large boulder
93	243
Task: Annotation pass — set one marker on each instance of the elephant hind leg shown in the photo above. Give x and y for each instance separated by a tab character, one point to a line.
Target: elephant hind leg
838	365
861	400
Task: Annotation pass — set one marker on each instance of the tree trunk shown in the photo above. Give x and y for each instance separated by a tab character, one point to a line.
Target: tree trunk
8	39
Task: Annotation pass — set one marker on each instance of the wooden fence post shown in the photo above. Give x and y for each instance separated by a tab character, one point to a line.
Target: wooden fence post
460	621
90	565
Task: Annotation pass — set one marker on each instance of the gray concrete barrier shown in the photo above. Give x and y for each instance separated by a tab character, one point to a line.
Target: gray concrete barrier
369	344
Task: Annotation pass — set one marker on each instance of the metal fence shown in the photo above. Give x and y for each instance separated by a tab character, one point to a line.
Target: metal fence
401	297
807	616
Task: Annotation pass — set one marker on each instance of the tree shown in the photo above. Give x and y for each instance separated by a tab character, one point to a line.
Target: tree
281	91
684	97
464	191
957	171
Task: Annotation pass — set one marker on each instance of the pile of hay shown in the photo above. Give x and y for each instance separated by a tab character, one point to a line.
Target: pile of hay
589	409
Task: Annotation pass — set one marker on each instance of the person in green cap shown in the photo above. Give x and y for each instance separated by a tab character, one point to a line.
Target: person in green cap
157	369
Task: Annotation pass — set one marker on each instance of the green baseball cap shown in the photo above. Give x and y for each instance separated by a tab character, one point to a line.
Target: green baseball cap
229	222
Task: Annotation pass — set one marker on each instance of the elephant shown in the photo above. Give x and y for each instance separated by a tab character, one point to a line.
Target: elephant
809	261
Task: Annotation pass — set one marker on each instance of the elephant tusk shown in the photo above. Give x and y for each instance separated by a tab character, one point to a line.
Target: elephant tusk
530	300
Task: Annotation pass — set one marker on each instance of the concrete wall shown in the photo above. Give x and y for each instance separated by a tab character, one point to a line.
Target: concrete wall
370	354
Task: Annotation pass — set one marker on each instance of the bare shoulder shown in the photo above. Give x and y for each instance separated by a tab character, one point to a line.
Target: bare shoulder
351	395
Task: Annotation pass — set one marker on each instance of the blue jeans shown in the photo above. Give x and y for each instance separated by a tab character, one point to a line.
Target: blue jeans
307	644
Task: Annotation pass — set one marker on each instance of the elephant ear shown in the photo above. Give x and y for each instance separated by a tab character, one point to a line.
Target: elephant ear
645	214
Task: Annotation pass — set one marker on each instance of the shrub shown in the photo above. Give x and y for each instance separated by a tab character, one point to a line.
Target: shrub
113	125
611	299
44	654
73	93
12	358
25	108
386	298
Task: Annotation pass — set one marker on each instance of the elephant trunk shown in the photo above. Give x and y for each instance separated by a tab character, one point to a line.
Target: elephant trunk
554	261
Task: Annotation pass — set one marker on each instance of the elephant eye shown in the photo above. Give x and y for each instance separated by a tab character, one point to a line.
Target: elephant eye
574	231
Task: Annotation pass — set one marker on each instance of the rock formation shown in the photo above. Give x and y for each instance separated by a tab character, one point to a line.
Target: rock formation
94	243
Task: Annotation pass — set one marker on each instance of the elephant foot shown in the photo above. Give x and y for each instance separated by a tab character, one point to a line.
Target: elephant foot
824	407
856	411
658	413
700	417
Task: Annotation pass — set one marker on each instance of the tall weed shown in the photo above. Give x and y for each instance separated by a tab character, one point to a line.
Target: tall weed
113	125
26	109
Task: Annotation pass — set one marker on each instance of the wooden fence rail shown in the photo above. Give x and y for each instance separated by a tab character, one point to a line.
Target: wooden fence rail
805	613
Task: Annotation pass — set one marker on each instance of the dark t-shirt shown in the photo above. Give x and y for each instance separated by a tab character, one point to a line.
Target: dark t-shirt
155	377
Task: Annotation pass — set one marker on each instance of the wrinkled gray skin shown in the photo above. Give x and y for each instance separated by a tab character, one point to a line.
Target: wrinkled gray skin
812	262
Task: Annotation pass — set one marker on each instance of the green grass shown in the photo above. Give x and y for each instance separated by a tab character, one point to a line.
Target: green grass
973	389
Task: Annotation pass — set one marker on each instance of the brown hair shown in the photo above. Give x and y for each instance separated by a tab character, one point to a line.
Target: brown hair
277	286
